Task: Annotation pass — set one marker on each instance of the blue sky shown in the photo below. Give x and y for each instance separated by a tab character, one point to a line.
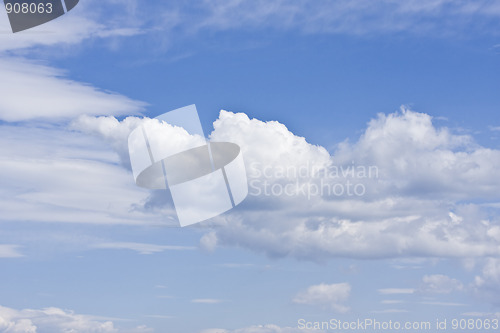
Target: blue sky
408	87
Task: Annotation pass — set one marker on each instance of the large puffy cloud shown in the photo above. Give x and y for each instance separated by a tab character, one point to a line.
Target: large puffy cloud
410	206
416	201
417	159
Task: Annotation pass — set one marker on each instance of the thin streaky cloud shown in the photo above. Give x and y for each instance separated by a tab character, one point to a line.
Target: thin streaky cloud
391	311
443	303
10	251
396	291
142	248
391	301
159	316
207	301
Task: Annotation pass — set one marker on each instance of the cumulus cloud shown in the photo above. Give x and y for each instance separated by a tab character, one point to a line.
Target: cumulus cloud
416	187
327	295
440	284
171	139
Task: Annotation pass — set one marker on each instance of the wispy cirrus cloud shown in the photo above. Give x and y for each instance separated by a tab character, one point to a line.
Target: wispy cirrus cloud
427	17
83	23
32	91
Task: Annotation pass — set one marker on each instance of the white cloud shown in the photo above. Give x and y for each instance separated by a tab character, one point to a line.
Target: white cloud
50	174
270	328
112	20
396	216
55	320
10	251
440	284
84	22
490	273
142	248
443	303
37	92
159	316
415	204
437	17
172	139
481	314
391	301
487	284
396	291
207	301
391	311
329	295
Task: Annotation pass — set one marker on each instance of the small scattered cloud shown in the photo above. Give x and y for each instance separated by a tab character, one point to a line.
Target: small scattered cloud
326	295
487	284
440	284
53	319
